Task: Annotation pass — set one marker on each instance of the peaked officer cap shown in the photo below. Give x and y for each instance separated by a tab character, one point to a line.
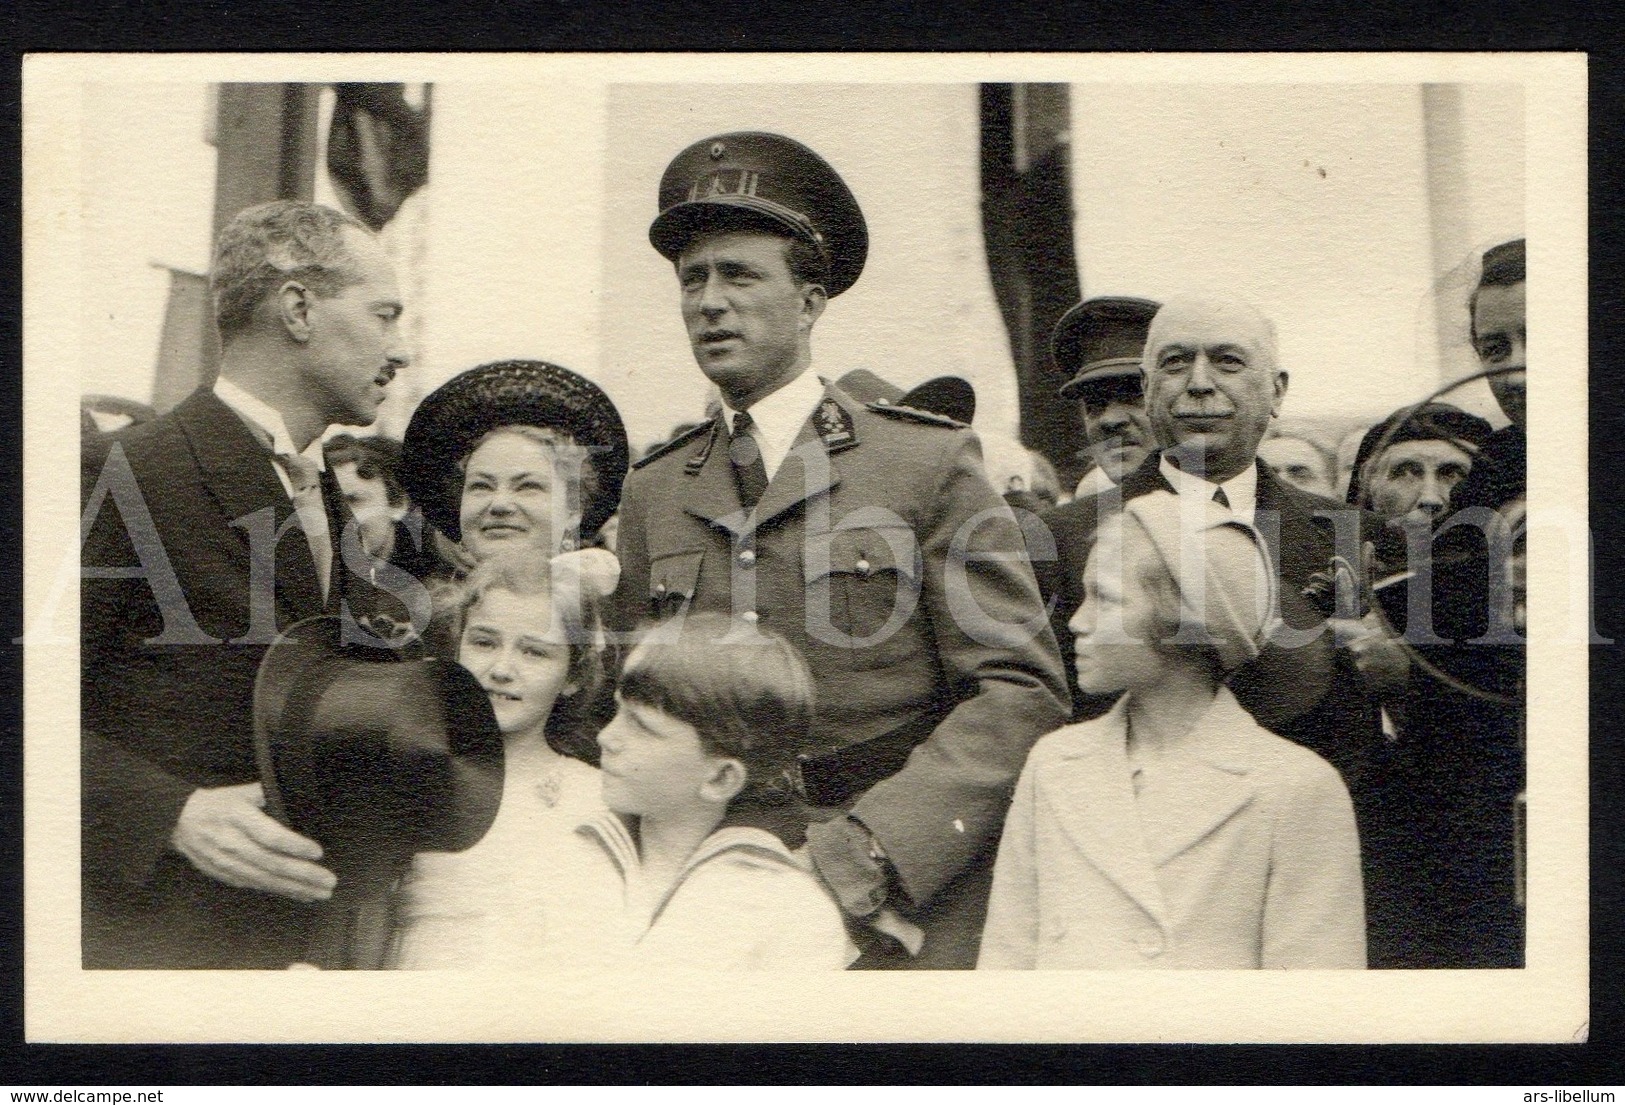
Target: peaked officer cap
756	181
1100	339
950	396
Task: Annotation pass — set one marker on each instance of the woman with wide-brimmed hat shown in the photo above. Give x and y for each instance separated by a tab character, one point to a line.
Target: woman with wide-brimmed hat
526	459
516	453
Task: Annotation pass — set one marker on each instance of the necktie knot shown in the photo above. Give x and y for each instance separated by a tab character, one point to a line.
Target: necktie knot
302	472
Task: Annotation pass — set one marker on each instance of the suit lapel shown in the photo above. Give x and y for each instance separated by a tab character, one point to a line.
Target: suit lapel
1146	478
1283	683
338	517
807	470
237	470
711	494
1102	820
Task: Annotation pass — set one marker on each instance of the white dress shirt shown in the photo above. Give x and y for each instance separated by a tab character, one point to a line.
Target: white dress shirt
265	423
1241	489
779	417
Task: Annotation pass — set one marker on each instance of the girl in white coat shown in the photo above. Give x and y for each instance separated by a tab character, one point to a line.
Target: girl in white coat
1175	831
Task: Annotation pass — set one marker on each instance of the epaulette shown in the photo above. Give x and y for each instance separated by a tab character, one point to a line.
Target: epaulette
914	414
676	443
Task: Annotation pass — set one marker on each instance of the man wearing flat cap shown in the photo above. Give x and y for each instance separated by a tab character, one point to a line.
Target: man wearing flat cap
864	532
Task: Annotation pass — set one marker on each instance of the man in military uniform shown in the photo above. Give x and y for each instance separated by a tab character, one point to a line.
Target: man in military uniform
865	533
1099	342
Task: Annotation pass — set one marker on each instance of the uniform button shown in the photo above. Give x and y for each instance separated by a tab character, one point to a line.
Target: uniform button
747	557
660	588
751	616
1150	946
863	567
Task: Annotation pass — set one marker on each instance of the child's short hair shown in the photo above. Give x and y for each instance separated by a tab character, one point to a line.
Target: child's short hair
746	691
528	573
1230	610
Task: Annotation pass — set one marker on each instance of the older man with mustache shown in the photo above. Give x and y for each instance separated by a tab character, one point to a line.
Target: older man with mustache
1213	383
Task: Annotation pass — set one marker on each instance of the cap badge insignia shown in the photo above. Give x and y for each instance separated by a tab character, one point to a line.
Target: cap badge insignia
834	424
725	182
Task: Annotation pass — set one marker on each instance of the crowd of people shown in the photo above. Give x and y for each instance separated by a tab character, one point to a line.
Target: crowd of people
819	682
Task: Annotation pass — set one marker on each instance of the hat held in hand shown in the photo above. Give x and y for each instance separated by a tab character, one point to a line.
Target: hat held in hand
373	756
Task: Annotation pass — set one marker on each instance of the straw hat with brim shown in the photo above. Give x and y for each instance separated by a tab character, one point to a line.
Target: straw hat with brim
373	757
455	416
950	396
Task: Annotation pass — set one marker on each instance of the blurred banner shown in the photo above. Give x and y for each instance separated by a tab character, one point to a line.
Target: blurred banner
1027	224
377	149
187	340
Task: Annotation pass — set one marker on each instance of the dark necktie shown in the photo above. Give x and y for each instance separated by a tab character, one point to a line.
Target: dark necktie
750	474
1221	498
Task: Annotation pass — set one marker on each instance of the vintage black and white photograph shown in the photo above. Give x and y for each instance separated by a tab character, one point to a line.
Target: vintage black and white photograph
966	548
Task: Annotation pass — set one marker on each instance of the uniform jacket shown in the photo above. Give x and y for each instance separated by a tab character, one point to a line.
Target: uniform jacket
1256	865
879	550
741	903
163	717
1311	694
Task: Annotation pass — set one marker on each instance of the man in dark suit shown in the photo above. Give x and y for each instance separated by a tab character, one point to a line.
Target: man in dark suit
215	527
1212	384
865	533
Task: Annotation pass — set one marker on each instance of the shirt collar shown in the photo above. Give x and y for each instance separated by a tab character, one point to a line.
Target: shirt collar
1241	489
779	416
266	422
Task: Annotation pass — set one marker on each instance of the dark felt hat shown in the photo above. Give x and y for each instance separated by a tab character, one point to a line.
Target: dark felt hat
373	756
451	420
1101	339
1428	422
757	181
950	396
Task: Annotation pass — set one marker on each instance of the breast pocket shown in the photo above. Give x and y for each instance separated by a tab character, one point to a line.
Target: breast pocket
673	580
863	588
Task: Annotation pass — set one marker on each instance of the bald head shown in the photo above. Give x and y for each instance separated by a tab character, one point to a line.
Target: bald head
1212	382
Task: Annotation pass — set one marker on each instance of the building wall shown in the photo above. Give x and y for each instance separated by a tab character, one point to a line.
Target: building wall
530	239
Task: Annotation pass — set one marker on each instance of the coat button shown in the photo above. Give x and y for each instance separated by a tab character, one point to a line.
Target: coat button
660	588
862	566
751	616
747	557
1151	946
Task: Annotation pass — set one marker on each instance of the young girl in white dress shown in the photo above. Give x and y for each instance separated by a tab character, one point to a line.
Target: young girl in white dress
532	890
